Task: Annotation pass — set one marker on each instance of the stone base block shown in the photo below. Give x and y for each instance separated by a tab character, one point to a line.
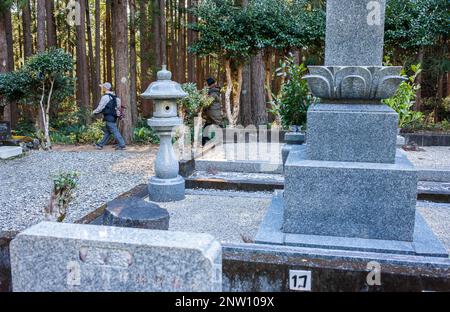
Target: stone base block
424	243
7	152
352	132
136	213
349	199
63	257
166	190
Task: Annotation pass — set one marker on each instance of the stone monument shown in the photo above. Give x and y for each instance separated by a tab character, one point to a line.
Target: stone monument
348	187
66	257
167	185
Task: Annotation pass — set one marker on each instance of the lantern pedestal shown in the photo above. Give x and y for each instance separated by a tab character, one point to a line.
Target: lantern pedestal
166	190
167	185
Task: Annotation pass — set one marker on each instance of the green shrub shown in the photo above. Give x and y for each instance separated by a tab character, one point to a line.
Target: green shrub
144	135
195	102
64	185
25	127
92	133
292	104
60	138
403	101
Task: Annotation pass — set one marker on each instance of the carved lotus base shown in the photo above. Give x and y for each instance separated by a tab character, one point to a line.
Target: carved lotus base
354	82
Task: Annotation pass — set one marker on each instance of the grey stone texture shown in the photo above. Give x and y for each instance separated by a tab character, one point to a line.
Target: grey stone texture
136	213
62	257
292	139
352	132
350	199
354	32
343	83
164	88
424	243
400	141
295	138
167	185
247	166
167	189
7	152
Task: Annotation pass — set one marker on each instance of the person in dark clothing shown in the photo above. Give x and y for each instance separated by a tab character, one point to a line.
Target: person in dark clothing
214	113
109	106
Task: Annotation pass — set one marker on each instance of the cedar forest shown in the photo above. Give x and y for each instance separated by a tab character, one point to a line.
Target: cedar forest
55	53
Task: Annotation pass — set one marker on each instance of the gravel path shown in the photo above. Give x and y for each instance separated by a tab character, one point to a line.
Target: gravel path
231	217
437	215
431	157
27	181
26	184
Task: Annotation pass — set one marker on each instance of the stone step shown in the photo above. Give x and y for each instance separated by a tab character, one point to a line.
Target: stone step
260	182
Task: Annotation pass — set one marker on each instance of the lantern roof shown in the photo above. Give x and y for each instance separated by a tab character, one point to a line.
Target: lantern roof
164	88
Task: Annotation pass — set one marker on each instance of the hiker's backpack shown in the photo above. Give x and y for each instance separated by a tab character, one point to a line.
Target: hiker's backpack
110	110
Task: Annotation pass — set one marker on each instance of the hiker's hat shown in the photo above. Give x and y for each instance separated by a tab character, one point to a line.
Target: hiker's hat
210	81
106	85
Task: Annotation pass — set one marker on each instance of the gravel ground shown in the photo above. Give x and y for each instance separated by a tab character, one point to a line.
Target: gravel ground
27	182
431	157
438	218
231	217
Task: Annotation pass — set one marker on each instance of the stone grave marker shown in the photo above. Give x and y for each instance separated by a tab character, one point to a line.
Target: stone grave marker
65	257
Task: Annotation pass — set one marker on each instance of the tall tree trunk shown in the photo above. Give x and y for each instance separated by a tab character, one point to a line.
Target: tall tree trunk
108	46
233	92
12	107
173	46
448	84
182	41
439	95
26	28
96	91
246	97
133	59
83	98
92	87
163	31
191	38
6	60
156	39
418	103
27	110
259	104
147	39
51	24
179	42
3	42
41	29
122	65
246	114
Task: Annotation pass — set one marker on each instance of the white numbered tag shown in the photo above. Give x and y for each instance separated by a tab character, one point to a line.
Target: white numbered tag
300	280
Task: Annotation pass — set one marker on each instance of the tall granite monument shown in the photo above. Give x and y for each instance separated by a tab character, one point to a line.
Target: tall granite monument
348	187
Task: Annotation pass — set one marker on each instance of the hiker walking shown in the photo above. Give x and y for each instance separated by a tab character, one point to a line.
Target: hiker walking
110	107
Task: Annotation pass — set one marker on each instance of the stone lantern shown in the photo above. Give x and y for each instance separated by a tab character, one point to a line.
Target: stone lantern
167	185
